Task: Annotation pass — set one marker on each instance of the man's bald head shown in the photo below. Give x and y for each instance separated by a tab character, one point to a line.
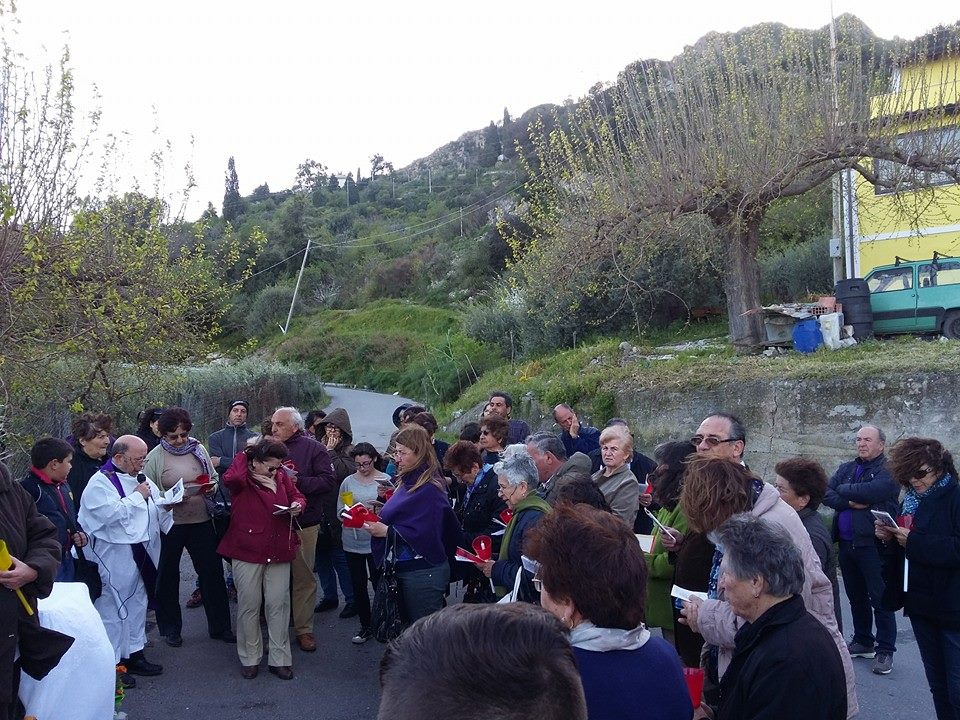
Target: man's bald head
129	454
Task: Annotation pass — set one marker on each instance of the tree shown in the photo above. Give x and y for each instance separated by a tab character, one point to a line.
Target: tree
310	175
333	183
232	202
723	131
353	194
378	166
261	192
492	148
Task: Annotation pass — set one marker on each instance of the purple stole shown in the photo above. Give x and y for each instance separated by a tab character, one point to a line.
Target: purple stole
148	571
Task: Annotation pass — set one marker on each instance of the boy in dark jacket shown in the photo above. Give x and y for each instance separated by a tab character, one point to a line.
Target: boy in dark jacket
46	482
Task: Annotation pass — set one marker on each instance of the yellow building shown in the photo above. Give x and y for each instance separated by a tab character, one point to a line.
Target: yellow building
875	224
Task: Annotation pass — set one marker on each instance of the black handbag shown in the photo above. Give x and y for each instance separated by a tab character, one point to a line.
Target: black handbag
385	621
218	508
88	573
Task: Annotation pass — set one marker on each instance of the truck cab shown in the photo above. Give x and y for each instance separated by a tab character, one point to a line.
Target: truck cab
921	296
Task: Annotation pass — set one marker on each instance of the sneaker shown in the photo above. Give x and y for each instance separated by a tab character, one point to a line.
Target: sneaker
348	611
861	651
883	664
361	637
196	599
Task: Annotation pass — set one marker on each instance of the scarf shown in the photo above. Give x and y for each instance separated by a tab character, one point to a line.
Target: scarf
587	636
912	500
191	447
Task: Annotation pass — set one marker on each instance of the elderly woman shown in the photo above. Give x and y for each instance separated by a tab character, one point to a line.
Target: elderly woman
785	663
615	479
802	484
493	436
419	522
262	545
592	576
180	456
666	481
714	490
90	434
517	480
928	538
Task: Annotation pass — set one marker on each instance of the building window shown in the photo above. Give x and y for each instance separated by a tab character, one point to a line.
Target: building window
941	141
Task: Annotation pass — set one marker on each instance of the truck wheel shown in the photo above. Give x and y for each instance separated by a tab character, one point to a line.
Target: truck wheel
951	325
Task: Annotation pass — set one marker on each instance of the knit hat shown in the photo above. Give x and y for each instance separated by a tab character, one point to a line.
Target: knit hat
246	405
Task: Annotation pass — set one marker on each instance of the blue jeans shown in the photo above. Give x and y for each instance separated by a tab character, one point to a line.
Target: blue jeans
863	581
940	652
331	565
422	591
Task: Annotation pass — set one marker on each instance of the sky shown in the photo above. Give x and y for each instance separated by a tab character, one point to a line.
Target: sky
274	83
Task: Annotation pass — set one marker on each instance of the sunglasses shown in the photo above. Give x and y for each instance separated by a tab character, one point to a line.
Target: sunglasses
921	473
711	440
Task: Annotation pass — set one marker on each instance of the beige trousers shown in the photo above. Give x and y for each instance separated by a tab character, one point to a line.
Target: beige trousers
304	587
268	583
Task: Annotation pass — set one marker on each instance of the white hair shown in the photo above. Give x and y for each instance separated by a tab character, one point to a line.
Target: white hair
517	466
295	417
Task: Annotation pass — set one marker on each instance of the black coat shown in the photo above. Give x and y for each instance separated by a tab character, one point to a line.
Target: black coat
478	513
45	496
83	468
785	666
933	548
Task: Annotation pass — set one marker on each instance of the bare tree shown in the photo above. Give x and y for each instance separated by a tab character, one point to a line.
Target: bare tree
726	129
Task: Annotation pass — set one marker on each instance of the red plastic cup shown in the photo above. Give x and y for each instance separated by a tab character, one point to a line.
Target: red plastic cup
694	678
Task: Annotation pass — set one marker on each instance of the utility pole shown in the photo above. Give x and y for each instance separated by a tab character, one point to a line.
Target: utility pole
296	288
429	181
461	222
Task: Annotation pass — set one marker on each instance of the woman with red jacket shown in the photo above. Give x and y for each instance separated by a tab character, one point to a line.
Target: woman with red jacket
262	541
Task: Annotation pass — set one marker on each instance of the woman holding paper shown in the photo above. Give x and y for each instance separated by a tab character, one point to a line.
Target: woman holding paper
362	486
667	480
181	457
592	576
714	490
262	541
927	543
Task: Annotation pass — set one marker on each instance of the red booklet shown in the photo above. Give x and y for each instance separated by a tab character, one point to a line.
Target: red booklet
358	514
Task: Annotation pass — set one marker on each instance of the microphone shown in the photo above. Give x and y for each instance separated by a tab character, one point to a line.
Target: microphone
141	478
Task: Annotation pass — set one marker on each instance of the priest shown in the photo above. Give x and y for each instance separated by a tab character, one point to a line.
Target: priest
120	514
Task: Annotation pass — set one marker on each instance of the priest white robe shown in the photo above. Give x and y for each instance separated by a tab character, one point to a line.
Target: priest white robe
114	524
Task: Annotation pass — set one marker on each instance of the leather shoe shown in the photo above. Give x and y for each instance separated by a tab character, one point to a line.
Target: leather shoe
349	611
174	640
307	642
227	636
284	672
249	672
326	604
139	665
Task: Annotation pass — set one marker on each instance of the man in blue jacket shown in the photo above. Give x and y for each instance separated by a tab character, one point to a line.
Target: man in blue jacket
858	487
574	436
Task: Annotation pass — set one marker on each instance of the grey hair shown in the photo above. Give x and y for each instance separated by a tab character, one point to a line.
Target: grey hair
120	447
295	416
754	547
880	433
737	429
517	466
547	442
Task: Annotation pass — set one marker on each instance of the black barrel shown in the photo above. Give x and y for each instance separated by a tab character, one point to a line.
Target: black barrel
854	295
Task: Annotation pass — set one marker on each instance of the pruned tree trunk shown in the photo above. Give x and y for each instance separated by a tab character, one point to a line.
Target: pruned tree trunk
741	281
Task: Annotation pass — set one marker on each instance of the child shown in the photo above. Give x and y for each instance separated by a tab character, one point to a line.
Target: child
46	481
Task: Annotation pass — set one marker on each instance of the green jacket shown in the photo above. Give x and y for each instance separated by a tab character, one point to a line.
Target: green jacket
660	581
526	514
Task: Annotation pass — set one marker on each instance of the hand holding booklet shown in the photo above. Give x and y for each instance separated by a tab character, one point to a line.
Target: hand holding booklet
686	595
885	518
172	496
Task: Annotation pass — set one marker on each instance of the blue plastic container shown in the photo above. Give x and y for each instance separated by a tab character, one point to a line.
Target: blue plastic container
806	335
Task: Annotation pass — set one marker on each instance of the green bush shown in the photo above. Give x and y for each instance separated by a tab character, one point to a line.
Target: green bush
268	310
799	271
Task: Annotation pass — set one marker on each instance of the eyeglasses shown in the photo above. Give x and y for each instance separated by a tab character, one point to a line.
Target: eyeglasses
178	436
921	473
139	460
271	469
366	464
484	432
711	440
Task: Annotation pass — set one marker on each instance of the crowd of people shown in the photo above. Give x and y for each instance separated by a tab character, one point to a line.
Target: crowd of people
583	568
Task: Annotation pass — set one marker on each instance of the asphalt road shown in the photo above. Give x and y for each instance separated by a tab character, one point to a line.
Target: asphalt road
202	679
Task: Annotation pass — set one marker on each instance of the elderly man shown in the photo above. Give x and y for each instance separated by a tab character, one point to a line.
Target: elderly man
502	404
574	436
859	486
120	514
316	481
723	435
553	465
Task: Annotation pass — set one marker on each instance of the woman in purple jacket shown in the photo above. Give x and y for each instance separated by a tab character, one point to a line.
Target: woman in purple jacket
423	525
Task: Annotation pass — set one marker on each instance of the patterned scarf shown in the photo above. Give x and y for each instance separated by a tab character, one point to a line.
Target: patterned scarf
191	447
911	501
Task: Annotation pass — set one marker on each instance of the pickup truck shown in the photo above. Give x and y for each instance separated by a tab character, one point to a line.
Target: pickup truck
921	296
